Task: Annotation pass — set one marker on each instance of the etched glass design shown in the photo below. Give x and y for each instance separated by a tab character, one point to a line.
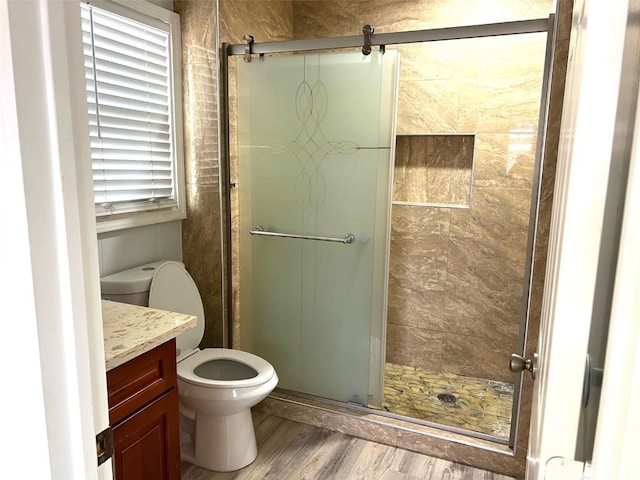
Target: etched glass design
315	158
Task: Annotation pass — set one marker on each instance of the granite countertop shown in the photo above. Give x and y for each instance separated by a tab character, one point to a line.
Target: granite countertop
131	330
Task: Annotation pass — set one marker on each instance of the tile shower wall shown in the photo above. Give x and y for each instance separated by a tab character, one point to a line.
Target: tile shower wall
456	273
201	231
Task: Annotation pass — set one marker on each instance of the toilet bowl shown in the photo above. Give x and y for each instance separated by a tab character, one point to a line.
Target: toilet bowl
216	386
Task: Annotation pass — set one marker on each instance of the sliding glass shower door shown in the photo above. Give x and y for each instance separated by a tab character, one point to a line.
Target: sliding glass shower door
315	158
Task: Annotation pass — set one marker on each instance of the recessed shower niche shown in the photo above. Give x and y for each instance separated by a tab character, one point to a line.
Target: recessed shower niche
433	170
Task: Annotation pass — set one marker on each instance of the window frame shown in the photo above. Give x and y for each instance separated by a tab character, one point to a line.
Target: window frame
142	11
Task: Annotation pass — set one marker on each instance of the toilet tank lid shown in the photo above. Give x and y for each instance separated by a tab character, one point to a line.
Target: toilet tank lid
132	280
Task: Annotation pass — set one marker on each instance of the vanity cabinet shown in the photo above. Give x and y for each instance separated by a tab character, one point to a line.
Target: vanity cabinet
143	413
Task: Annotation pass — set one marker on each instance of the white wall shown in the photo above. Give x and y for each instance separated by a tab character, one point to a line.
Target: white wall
128	248
168	4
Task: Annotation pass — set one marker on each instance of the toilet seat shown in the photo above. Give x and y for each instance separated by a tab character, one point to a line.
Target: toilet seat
172	289
187	366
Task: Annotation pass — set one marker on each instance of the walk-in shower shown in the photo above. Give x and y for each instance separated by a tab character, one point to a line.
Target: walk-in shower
379	255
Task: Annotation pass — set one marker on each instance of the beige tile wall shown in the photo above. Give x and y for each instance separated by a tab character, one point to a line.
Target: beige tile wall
456	274
201	233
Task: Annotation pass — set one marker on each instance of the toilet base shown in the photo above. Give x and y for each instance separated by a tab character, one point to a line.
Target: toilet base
224	443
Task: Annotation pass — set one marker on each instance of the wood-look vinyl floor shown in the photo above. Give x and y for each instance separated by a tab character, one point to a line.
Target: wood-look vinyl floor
295	451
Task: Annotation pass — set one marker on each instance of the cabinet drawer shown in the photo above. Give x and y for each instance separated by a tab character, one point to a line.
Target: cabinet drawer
140	380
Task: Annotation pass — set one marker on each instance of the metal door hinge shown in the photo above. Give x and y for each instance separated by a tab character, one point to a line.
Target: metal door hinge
104	445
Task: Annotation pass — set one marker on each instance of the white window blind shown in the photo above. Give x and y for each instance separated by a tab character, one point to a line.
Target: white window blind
128	84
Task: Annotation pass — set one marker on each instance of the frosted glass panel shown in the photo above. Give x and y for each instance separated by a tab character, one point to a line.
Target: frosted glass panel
315	156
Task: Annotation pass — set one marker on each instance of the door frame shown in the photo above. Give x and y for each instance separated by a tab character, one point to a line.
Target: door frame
589	129
50	259
618	416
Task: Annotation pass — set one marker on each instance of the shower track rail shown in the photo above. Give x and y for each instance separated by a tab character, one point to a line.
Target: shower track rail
385	39
347	239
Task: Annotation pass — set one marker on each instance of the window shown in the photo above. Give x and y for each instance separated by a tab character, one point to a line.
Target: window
132	73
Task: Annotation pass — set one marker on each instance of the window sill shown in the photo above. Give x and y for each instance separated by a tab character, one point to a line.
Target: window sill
139	219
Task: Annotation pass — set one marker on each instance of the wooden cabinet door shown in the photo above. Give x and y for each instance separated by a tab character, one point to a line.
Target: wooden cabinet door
147	443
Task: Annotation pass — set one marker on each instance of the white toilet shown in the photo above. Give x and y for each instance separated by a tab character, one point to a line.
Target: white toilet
217	387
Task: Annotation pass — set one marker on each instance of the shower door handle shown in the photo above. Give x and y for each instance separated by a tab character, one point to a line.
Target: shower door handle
349	238
519	364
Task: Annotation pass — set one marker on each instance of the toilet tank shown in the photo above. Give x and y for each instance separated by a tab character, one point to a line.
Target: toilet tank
131	285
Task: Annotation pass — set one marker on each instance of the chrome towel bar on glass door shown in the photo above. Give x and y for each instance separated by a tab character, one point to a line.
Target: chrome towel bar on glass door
258	230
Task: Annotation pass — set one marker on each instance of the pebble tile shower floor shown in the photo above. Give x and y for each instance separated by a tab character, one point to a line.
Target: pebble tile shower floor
475	404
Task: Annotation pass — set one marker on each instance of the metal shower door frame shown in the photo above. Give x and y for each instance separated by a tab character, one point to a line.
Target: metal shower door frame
368	39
